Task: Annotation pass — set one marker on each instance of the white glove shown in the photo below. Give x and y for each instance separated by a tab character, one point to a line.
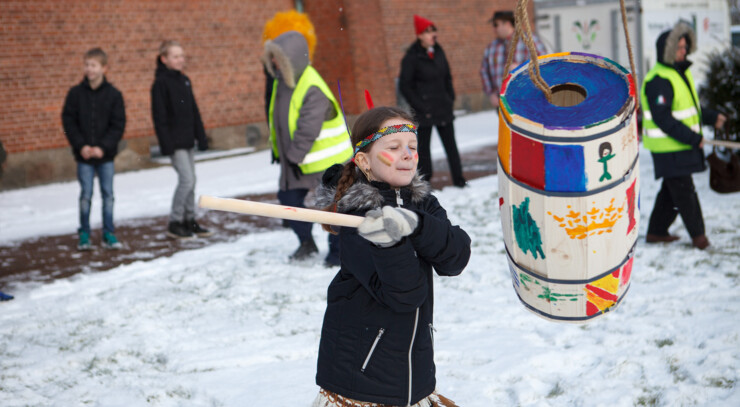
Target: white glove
387	227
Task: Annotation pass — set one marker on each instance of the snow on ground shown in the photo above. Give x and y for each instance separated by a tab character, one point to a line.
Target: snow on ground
235	324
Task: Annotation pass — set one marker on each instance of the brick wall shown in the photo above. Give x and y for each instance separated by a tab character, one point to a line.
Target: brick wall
360	43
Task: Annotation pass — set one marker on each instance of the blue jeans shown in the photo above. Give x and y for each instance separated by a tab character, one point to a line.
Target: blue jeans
86	175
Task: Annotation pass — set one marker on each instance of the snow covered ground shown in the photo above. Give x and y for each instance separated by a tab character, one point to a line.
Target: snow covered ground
234	324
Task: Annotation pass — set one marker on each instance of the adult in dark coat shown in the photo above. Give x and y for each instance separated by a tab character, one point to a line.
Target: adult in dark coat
675	165
178	125
426	84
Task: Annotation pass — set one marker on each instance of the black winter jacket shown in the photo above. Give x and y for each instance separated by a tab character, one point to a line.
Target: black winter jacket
175	114
96	118
377	340
679	163
426	84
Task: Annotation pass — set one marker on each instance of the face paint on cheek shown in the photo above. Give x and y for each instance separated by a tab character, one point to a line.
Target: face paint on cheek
385	158
415	156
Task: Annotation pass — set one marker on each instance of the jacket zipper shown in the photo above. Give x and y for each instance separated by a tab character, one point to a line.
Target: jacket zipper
399	201
411	347
431	332
372	349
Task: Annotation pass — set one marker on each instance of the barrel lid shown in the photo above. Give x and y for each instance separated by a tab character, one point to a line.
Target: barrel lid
592	96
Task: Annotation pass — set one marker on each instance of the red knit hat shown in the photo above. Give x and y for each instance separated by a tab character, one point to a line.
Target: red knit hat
421	24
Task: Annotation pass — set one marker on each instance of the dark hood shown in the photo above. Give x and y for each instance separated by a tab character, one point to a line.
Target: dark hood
86	83
163	70
667	44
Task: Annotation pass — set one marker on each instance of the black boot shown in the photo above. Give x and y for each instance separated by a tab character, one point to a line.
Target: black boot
305	250
196	229
178	230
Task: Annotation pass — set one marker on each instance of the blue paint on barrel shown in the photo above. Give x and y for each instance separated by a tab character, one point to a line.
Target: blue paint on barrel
570	175
606	92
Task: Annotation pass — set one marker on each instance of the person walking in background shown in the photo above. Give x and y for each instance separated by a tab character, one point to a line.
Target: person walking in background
377	337
308	132
178	125
494	58
672	120
94	119
426	84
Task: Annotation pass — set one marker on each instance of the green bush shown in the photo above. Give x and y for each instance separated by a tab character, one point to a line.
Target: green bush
721	89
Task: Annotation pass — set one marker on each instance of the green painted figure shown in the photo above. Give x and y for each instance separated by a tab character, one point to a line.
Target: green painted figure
605	152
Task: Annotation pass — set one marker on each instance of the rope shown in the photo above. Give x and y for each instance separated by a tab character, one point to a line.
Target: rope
521	18
629	50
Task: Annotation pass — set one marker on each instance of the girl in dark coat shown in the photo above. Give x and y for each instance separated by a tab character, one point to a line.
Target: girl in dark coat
178	125
426	84
377	338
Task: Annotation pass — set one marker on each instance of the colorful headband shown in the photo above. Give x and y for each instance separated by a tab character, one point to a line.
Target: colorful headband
399	128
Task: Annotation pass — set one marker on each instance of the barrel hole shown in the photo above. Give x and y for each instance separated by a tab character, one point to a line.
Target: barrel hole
567	94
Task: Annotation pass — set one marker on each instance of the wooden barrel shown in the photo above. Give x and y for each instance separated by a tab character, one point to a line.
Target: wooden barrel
568	185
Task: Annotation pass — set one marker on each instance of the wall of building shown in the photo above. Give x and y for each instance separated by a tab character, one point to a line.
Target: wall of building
360	43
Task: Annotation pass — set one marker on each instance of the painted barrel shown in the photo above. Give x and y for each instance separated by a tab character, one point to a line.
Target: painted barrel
568	185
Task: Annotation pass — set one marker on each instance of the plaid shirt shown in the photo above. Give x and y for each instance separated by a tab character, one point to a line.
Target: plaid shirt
494	61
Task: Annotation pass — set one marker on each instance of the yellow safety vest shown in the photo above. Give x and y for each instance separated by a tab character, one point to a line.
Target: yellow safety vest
333	145
683	109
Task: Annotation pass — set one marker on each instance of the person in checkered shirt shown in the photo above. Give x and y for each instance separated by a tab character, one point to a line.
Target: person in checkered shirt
494	58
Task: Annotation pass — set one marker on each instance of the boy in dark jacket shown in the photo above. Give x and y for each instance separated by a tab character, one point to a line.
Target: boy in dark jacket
178	124
94	118
426	83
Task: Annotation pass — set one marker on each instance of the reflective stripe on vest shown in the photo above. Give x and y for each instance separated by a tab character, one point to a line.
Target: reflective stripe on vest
683	109
332	146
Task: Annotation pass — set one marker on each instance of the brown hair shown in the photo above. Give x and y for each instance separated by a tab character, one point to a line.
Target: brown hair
165	46
98	54
365	125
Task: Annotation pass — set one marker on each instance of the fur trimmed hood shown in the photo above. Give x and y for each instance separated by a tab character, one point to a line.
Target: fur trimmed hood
290	52
364	195
667	43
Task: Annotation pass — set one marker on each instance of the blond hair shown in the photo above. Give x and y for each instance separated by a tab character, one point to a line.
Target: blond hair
165	46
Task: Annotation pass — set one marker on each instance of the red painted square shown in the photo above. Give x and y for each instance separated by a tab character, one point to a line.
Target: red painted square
527	160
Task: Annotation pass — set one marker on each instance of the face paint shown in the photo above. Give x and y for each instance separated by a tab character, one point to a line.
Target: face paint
409	151
385	158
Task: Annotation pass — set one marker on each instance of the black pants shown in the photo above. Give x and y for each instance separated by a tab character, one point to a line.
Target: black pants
296	197
447	134
677	196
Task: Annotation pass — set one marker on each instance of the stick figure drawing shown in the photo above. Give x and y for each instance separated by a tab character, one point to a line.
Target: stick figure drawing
605	154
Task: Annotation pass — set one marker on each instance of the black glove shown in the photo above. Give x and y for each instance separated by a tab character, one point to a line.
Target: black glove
296	170
275	159
203	145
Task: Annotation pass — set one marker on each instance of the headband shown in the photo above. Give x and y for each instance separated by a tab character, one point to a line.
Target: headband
399	128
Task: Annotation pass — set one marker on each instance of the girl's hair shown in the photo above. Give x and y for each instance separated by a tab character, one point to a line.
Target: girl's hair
165	46
366	124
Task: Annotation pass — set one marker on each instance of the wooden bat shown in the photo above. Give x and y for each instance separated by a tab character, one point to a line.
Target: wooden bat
723	143
279	211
